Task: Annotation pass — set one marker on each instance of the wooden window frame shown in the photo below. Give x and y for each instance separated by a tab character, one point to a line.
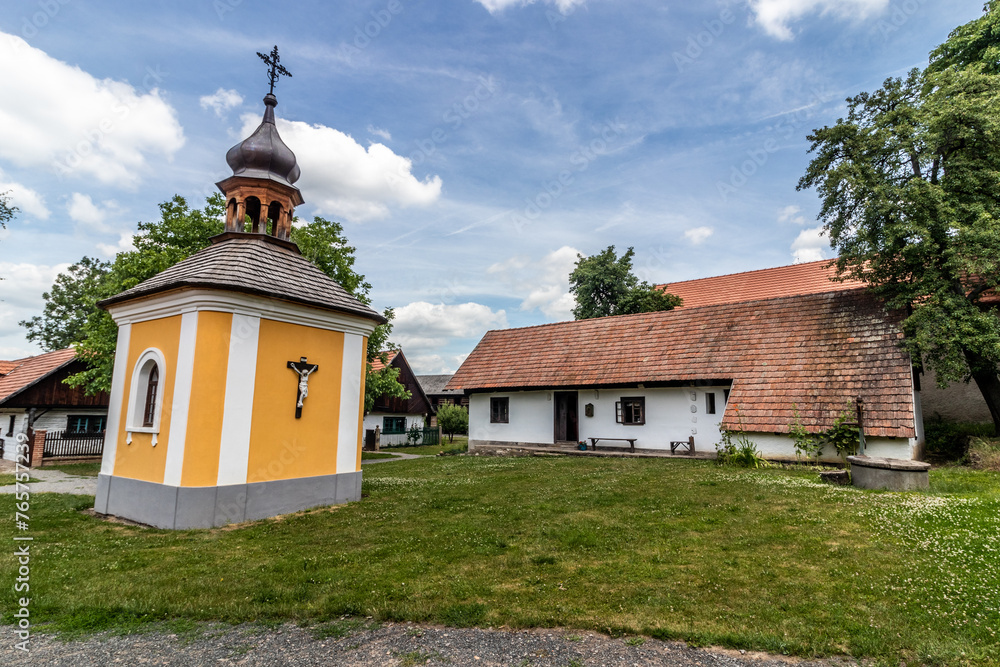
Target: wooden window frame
395	420
499	409
89	430
625	410
152	389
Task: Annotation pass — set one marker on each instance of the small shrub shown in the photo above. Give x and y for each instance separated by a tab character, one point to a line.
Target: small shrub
949	440
414	435
738	450
984	453
453	419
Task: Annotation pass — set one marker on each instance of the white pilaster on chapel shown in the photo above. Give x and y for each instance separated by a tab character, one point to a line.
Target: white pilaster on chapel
234	454
116	401
182	399
223	423
350	386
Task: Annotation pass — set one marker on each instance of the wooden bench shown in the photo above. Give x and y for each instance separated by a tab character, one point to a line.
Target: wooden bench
630	441
685	444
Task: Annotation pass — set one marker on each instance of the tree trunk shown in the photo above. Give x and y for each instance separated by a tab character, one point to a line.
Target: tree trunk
988	383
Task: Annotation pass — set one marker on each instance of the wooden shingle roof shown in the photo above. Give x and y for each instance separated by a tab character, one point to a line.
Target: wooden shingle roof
814	353
253	265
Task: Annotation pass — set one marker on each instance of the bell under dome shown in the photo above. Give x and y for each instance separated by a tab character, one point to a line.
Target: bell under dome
263	154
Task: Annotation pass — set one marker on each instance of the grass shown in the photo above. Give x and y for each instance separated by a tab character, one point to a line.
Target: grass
461	444
83	469
7	480
984	453
765	560
372	456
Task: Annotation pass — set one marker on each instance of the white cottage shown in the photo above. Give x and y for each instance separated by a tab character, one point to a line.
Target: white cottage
658	379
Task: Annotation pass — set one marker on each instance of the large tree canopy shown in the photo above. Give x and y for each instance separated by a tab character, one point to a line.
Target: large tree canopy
910	189
71	315
604	284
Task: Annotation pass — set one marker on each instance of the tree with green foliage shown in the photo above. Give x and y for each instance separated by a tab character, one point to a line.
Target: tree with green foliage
604	284
453	419
910	189
7	211
68	305
71	314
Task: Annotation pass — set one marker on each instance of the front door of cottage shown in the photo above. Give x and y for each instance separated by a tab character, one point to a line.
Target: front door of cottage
566	416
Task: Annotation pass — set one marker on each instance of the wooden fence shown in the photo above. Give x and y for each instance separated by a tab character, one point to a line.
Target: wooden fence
59	444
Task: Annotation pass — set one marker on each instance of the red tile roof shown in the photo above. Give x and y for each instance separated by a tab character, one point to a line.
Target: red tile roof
8	366
808	278
814	352
377	364
30	370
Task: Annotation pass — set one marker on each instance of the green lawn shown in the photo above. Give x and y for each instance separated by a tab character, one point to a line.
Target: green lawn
460	444
371	456
756	559
83	469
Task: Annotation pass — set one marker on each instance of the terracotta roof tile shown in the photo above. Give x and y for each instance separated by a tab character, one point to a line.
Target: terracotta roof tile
30	370
845	345
807	278
8	366
377	364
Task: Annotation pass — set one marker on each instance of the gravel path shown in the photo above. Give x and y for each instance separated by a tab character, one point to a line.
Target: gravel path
56	481
389	644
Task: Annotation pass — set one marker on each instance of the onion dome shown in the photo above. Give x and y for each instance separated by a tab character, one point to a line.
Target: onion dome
263	154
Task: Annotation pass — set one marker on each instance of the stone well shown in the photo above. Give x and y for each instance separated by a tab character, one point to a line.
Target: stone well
876	472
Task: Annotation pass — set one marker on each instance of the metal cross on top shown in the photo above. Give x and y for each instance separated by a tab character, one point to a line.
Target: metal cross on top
274	62
303	369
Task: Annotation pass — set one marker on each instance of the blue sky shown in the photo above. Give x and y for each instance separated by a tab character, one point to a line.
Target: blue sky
470	147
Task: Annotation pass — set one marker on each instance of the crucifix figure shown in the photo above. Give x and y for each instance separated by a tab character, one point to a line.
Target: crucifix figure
304	369
273	61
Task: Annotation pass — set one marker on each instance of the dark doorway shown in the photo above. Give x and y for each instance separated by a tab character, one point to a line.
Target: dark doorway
566	416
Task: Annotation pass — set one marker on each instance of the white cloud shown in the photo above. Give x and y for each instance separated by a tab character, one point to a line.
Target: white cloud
341	177
23	285
774	16
546	282
221	101
25	199
124	244
698	235
791	214
435	364
425	328
379	132
497	6
82	209
810	246
68	121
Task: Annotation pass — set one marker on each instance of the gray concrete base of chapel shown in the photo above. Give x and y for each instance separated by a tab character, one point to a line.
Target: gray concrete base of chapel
183	507
878	473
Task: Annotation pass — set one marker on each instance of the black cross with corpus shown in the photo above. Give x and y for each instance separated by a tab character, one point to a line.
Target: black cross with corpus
274	62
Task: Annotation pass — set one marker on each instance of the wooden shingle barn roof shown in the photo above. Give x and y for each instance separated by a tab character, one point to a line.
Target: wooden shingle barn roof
260	266
813	353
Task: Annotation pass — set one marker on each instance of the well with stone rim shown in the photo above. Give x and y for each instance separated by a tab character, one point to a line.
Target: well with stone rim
879	473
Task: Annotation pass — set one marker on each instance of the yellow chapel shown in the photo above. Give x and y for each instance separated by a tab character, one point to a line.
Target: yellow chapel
238	385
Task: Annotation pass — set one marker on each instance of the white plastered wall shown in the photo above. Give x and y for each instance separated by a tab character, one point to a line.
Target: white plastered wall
672	413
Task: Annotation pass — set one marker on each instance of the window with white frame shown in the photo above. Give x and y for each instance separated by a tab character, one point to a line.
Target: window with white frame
146	395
